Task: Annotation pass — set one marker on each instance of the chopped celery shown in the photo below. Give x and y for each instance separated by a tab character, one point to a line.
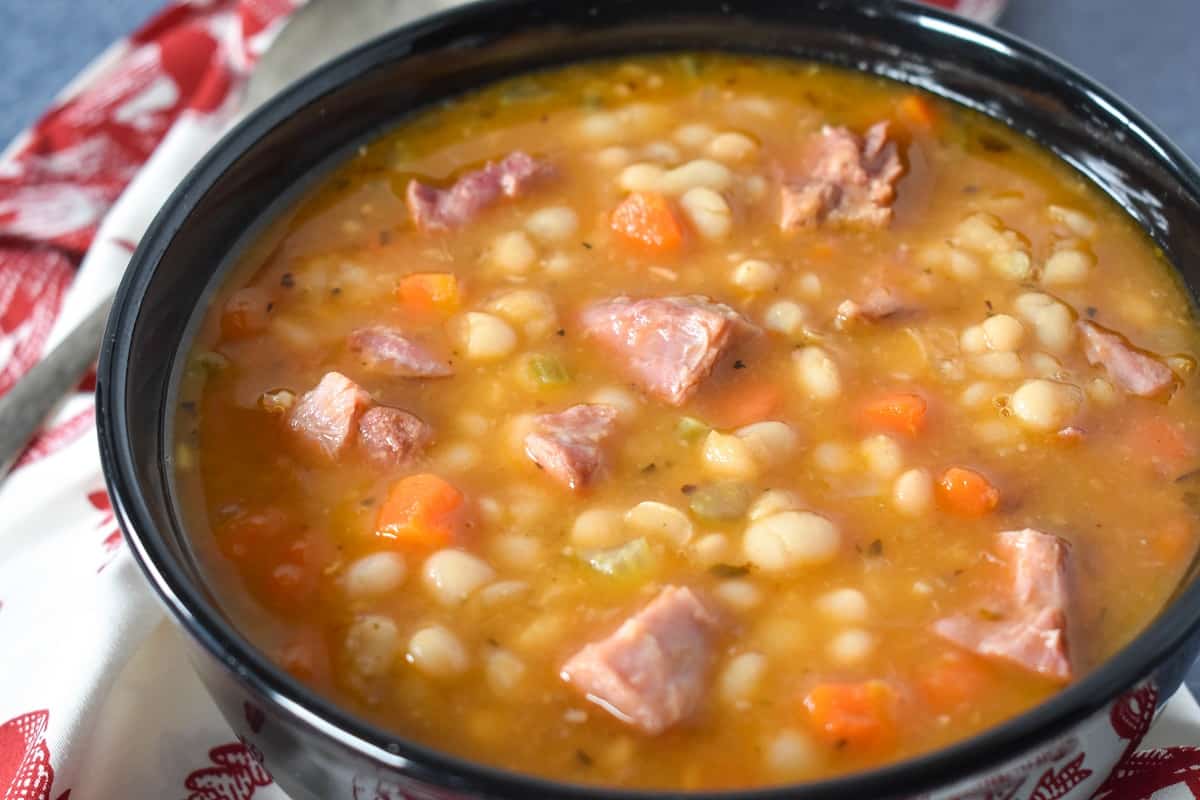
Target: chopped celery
720	501
549	371
632	561
691	429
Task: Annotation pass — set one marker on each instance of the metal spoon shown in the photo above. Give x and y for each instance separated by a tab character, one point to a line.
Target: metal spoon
314	34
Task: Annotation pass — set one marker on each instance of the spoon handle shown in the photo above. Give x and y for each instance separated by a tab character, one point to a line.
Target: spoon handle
29	402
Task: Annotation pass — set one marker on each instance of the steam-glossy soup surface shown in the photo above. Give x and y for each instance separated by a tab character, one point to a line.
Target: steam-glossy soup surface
883	431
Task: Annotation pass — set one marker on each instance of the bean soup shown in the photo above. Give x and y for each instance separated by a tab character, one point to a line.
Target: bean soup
694	421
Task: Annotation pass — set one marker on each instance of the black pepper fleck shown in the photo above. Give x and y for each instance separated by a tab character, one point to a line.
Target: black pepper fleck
287	281
739	364
587	245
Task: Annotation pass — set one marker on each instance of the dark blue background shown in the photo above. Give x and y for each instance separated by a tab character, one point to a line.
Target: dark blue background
1147	51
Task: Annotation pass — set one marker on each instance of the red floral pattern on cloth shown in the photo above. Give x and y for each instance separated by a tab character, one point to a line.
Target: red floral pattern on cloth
56	186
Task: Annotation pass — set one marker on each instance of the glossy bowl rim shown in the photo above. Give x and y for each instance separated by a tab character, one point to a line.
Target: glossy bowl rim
940	768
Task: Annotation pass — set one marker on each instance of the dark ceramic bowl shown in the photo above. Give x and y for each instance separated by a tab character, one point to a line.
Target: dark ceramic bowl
315	750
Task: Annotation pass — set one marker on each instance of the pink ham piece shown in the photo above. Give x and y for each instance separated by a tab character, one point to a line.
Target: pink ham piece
1132	370
388	350
568	445
434	209
652	672
326	415
392	437
880	303
338	411
848	181
667	345
1031	628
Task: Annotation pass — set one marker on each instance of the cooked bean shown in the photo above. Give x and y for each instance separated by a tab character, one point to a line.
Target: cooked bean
708	212
1067	267
530	310
503	671
974	340
662	152
599	527
912	493
1045	405
372	644
997	365
791	539
741	678
729	456
1076	221
513	252
818	373
623	400
1053	323
614	157
833	457
786	317
710	549
732	147
699	174
642	177
755	275
452	575
659	520
437	653
484	337
773	501
883	454
1002	332
518	551
738	594
772	443
791	754
553	224
376	574
844	605
851	646
695	135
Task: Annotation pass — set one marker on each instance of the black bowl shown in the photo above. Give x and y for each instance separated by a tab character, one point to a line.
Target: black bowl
316	750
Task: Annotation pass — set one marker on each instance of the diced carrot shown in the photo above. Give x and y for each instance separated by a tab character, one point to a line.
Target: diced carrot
916	111
860	715
1162	444
953	682
429	291
646	219
422	512
743	402
899	412
246	312
966	492
250	536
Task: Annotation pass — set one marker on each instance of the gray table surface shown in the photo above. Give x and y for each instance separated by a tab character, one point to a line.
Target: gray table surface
1146	51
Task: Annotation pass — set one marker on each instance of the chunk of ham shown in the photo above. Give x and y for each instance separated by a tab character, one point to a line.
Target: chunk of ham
388	350
392	437
879	303
338	412
1030	629
848	181
568	445
434	209
666	345
653	671
327	414
1134	371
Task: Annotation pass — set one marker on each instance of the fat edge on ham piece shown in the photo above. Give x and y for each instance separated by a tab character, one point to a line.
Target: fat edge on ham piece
1134	371
653	671
338	412
388	350
434	209
1031	631
847	181
667	345
569	445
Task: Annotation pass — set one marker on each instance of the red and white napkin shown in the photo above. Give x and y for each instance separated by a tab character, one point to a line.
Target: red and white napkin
96	697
